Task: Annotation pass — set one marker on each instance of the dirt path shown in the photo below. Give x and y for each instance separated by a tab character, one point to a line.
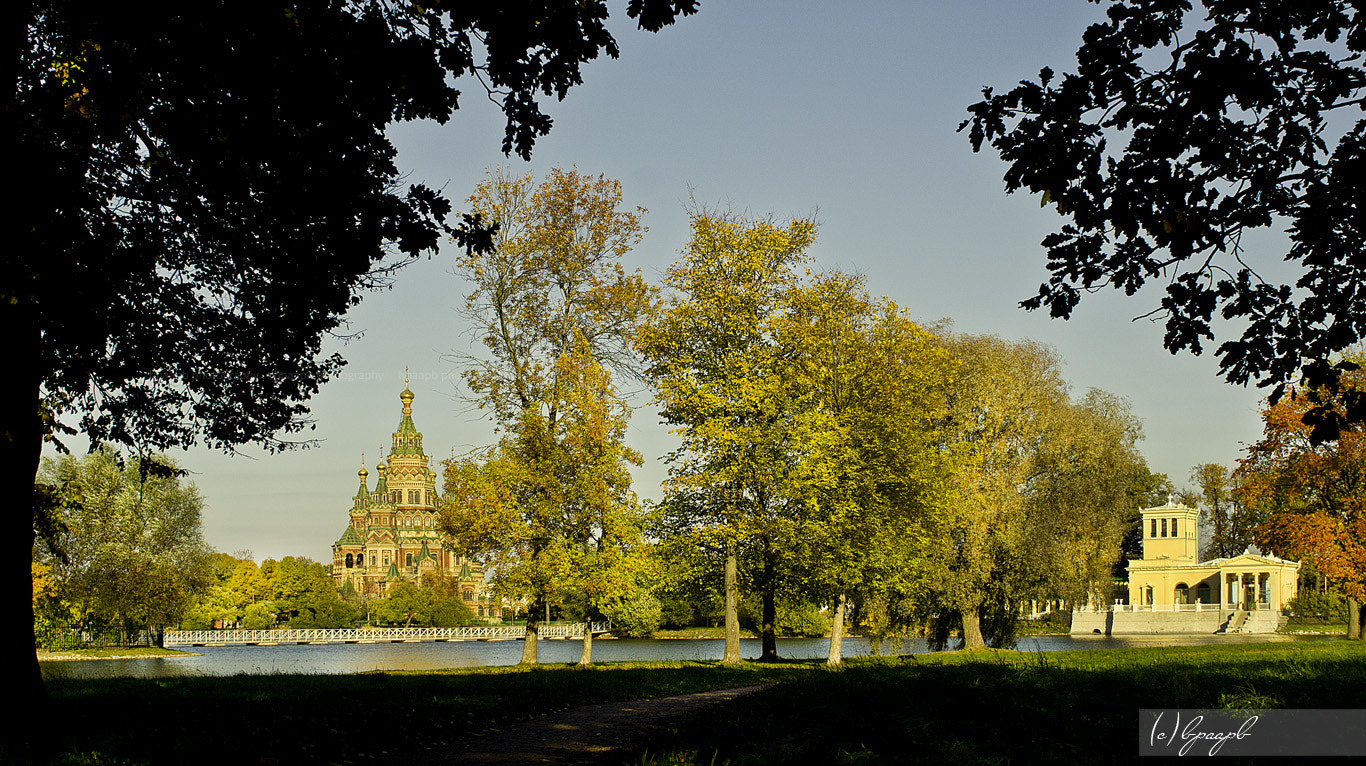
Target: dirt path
577	735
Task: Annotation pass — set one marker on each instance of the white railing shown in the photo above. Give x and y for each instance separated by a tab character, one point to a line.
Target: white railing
1193	607
374	635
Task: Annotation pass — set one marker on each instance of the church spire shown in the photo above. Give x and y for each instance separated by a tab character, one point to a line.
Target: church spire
407	440
362	494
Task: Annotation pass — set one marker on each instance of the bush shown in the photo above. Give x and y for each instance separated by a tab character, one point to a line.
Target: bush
259	616
55	636
792	619
636	616
1318	607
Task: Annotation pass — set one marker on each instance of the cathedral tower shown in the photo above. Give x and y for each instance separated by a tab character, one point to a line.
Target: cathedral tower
393	533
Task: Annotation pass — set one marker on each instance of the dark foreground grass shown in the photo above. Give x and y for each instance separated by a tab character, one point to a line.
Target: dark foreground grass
978	707
1009	707
363	718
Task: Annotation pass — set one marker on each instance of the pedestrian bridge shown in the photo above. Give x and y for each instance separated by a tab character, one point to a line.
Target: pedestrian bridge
373	635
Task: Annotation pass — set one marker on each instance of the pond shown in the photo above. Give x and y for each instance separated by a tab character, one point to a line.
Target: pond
355	658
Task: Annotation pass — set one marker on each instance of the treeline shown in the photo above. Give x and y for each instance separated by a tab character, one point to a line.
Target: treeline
834	453
122	558
297	592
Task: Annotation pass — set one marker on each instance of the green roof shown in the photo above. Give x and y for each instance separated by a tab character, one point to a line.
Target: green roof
350	537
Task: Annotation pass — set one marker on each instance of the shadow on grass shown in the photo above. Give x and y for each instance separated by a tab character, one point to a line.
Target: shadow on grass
1007	707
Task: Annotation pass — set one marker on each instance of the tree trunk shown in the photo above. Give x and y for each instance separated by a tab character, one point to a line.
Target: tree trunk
21	448
769	633
586	658
1353	619
837	634
732	653
533	631
972	627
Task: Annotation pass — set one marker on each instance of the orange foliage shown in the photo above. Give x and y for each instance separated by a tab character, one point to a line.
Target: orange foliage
1313	496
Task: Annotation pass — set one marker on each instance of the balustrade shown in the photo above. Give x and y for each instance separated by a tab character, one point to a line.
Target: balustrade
374	635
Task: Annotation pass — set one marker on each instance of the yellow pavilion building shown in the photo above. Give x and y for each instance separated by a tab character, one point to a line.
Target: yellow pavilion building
1172	591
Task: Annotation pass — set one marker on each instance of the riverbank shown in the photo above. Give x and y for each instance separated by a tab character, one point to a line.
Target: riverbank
112	653
1077	706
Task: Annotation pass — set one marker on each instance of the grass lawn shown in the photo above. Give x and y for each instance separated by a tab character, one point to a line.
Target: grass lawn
977	707
111	653
700	633
1009	707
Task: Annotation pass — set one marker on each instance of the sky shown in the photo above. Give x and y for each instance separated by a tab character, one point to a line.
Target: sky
844	111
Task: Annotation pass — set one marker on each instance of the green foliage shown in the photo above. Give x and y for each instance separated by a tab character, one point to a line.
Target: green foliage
259	616
715	367
1325	606
157	339
304	593
634	615
134	555
550	506
793	617
404	605
1040	497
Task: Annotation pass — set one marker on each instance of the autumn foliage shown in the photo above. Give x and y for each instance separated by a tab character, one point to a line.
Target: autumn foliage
1312	495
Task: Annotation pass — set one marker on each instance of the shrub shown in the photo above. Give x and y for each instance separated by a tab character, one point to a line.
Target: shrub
636	616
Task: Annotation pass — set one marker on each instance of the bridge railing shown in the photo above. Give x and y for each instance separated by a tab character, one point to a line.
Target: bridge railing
377	635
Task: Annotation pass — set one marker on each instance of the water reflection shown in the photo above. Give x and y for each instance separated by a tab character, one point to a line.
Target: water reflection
356	658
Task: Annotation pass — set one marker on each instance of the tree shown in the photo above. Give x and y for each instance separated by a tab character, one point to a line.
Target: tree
405	603
1146	490
1312	496
712	360
871	474
132	553
1081	497
1180	132
303	591
1229	524
210	188
558	310
448	608
1040	496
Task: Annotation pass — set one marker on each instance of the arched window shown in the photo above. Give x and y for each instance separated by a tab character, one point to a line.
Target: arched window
349	561
1154	530
1174	534
469	595
409	560
1164	527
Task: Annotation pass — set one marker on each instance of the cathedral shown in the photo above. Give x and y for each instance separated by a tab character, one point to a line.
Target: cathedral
393	534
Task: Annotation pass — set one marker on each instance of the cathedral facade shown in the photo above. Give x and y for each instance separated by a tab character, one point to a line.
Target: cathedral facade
393	534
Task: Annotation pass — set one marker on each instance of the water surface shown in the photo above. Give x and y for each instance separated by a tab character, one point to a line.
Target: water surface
356	658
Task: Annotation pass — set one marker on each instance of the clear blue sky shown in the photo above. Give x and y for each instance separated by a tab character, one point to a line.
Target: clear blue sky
845	110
